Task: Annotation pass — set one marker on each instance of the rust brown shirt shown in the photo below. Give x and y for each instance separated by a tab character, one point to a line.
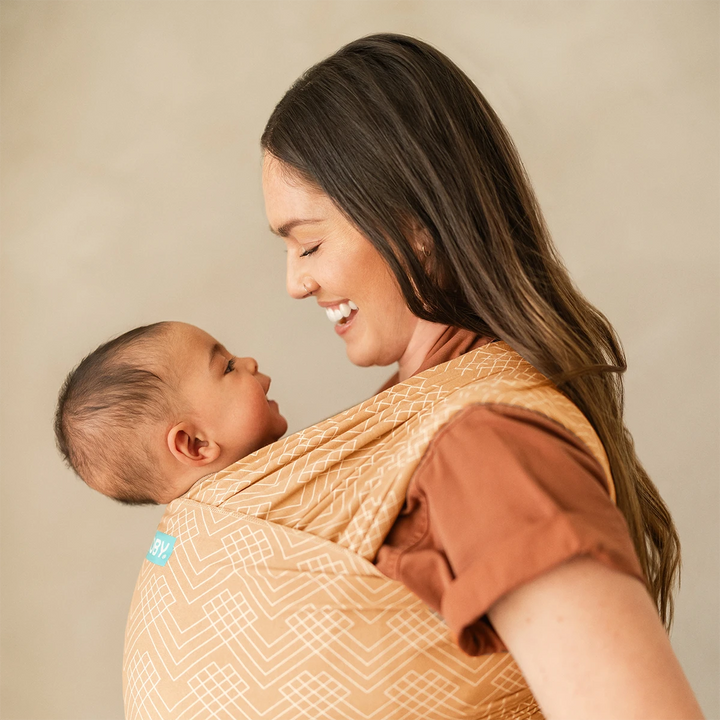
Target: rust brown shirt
501	496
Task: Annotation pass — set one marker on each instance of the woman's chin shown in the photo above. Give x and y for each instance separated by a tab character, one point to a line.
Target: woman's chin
358	353
363	356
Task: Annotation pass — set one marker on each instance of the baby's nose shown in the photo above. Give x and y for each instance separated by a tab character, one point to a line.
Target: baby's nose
250	364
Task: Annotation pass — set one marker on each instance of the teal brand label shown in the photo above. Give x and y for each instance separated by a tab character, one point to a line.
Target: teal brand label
161	548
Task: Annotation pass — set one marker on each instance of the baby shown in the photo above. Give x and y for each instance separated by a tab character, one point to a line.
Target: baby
146	415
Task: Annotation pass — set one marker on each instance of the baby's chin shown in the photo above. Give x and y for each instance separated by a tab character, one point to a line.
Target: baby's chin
278	423
282	427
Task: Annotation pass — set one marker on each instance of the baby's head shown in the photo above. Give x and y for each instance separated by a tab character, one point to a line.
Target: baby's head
146	415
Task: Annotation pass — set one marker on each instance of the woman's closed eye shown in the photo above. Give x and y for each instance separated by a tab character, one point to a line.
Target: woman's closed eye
230	366
309	251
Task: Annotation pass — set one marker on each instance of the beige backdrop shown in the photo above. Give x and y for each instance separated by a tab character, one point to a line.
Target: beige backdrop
131	193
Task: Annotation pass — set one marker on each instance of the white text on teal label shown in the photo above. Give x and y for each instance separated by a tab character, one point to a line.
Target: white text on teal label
161	548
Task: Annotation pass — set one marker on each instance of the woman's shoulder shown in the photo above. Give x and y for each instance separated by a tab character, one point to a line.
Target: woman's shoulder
504	460
490	440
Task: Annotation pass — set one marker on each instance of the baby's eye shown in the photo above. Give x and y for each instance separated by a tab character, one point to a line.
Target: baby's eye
305	253
230	366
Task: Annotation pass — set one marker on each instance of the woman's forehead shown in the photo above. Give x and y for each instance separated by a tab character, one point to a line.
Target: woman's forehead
290	200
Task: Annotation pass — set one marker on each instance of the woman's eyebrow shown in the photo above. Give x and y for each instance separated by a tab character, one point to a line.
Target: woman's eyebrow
286	228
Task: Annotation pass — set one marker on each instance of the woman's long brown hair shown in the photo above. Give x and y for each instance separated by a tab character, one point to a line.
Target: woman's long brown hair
407	147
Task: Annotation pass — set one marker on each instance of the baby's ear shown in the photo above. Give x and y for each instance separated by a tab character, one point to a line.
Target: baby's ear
188	446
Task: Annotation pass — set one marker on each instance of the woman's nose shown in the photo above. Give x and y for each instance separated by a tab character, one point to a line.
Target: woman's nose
299	285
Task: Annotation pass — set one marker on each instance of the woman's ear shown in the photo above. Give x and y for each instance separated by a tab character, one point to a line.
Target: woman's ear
189	447
423	243
429	255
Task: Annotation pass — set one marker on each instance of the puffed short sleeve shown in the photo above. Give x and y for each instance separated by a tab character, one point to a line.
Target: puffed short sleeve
501	496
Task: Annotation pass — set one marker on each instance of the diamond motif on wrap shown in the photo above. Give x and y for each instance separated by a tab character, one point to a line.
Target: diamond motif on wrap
315	696
217	691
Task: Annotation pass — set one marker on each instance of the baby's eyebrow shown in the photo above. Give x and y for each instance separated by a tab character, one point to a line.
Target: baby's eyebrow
216	349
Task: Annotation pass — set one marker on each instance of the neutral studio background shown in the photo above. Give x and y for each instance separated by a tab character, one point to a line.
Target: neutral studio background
131	193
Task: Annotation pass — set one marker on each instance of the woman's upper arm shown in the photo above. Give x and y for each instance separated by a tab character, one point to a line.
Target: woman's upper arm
591	645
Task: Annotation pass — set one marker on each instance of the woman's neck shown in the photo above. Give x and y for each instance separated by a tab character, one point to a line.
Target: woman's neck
425	335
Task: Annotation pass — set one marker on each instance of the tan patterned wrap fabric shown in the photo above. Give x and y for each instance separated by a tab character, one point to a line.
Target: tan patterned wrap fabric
269	605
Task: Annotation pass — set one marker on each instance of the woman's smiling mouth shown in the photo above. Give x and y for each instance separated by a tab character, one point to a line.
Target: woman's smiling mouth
341	312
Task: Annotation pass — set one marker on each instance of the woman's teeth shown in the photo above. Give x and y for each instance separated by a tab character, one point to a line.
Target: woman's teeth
341	312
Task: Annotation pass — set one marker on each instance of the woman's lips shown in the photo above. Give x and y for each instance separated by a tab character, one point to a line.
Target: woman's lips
342	327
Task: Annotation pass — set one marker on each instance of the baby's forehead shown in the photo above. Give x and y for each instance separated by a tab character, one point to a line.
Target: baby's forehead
190	346
190	337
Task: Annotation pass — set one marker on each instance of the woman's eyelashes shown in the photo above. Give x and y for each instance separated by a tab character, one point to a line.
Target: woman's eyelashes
309	251
230	366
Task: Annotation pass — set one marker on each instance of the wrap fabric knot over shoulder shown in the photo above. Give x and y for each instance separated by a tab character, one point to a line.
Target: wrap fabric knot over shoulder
270	605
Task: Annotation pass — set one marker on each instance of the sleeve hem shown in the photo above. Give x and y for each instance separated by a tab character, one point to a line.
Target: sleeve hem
543	547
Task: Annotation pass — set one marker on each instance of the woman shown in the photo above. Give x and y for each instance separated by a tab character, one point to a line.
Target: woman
408	217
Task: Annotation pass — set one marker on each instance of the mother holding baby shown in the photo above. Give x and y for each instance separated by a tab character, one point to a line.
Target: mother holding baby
477	540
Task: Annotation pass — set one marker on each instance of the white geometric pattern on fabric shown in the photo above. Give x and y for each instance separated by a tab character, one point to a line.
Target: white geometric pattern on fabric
270	606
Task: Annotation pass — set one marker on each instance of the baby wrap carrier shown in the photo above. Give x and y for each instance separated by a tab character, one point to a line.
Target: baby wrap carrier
259	598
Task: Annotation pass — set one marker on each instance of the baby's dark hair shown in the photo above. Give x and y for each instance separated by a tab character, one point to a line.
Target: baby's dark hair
105	409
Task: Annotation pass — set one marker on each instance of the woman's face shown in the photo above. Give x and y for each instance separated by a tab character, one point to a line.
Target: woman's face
329	258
